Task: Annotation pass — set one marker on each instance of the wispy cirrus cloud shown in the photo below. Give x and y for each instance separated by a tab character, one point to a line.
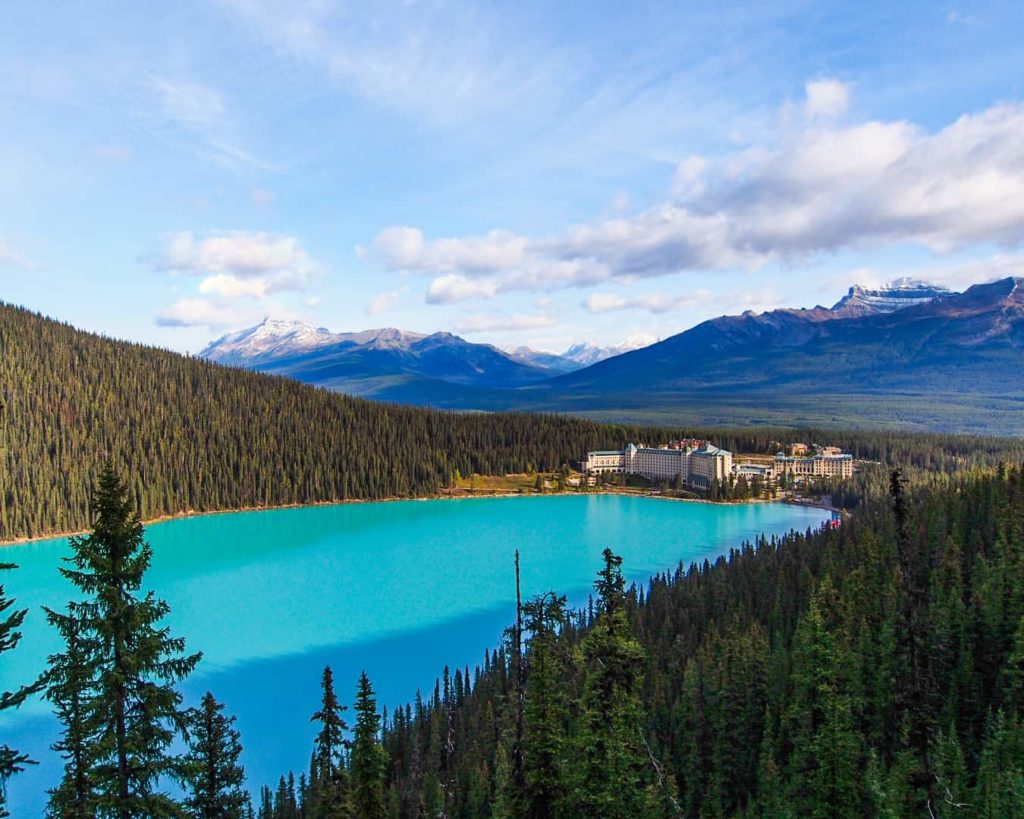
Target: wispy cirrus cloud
200	111
824	187
435	62
11	257
383	302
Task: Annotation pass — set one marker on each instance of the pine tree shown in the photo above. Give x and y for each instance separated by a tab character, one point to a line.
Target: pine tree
369	760
826	757
328	785
11	760
915	685
131	711
212	771
503	800
545	708
1000	788
71	682
610	755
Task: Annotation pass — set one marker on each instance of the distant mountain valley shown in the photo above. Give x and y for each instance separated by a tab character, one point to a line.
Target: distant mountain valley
908	353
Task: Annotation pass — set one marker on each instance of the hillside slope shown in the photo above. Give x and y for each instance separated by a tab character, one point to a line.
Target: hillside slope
197	436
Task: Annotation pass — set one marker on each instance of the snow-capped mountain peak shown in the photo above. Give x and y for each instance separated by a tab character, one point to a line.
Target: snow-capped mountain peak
269	337
586	353
890	297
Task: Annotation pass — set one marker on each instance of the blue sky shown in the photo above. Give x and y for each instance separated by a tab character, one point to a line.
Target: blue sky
521	173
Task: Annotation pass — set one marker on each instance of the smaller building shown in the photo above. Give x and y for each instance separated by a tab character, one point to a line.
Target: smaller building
763	472
606	461
816	466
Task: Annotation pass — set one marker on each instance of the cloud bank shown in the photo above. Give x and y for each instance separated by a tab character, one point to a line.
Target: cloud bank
232	266
825	186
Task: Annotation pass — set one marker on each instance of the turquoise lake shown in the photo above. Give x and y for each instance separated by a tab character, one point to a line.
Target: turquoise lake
399	589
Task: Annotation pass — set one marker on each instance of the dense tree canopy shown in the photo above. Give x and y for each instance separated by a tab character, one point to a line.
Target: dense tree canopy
197	436
874	669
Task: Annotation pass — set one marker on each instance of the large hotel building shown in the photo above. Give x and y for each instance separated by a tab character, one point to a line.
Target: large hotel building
699	465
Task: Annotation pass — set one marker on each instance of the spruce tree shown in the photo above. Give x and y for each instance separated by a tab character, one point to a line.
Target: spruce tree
544	745
11	760
71	681
131	711
212	772
915	684
328	786
610	757
826	760
369	760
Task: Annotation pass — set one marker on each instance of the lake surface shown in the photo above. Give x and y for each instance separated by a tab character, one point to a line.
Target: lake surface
399	589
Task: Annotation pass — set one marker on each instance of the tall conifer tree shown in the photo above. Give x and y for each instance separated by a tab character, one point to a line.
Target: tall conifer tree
328	786
544	746
131	709
369	759
71	681
610	755
213	774
11	760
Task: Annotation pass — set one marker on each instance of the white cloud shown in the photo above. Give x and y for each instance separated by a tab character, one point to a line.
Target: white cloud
826	98
514	322
383	302
653	303
229	286
202	313
452	288
821	189
240	263
405	247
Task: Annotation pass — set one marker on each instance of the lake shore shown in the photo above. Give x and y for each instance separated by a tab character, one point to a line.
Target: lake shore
453	495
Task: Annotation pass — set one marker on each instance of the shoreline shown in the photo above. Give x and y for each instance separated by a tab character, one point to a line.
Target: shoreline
192	513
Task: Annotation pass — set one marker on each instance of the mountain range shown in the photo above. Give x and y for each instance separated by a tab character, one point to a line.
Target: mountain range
908	354
391	363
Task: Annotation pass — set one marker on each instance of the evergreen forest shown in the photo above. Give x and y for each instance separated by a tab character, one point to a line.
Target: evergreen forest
194	436
874	668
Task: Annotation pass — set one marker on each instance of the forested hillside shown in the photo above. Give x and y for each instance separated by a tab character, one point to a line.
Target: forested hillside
196	436
876	669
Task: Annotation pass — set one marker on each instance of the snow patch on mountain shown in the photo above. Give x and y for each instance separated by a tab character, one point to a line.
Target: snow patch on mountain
890	297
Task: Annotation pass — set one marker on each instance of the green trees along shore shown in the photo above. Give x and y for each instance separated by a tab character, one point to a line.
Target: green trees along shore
870	669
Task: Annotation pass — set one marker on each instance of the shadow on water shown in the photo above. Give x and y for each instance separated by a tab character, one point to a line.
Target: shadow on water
275	697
